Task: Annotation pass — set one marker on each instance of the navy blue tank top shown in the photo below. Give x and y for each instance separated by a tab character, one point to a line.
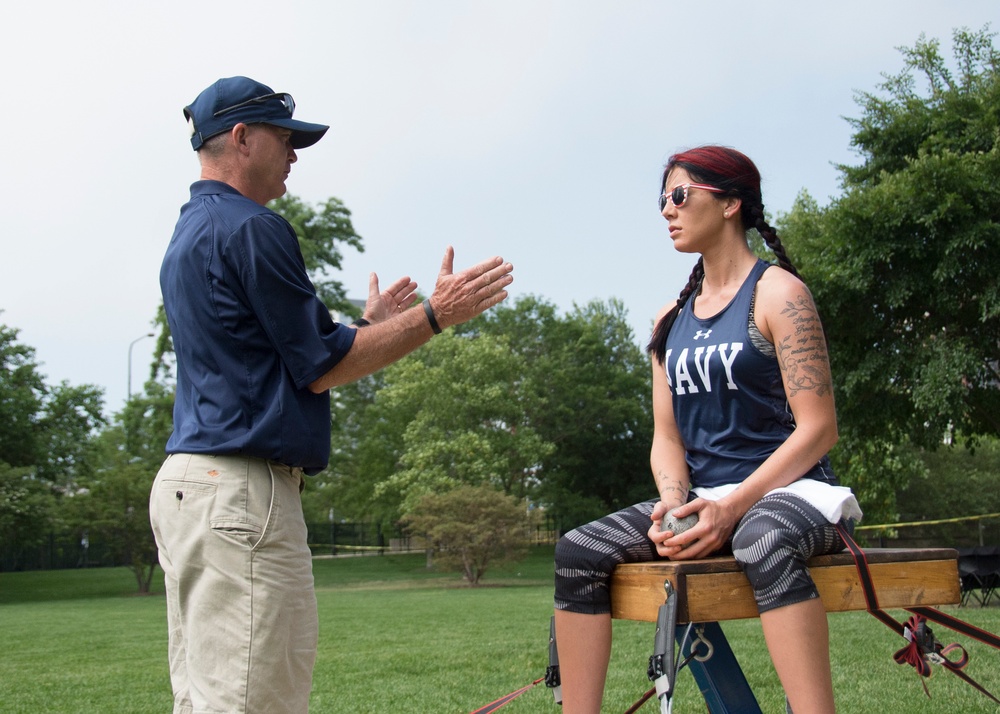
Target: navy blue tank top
729	401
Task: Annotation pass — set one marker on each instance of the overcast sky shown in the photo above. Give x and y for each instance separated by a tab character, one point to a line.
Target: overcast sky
529	129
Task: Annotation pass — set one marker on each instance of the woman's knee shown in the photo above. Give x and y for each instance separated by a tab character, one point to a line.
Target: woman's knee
570	554
563	550
772	546
758	537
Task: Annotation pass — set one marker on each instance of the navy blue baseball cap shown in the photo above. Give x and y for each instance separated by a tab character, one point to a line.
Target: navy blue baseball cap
236	100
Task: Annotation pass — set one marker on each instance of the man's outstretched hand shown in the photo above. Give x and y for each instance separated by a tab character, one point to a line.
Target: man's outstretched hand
459	297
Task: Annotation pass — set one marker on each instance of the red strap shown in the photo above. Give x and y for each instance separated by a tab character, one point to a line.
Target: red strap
912	654
642	700
867	586
493	706
922	644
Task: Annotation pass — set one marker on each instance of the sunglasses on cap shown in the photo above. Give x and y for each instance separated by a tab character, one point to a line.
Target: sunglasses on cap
679	195
286	100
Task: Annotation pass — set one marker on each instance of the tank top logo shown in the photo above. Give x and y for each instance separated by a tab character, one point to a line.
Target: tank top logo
704	360
701	333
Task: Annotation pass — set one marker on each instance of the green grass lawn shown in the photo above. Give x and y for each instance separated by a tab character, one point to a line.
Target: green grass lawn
397	638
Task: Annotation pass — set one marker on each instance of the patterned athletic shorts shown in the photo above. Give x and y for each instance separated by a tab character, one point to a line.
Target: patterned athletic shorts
772	543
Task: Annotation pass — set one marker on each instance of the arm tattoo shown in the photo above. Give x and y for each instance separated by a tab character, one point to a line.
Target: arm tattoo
802	354
671	487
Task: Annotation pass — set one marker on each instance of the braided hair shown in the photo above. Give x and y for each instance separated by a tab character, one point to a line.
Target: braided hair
737	176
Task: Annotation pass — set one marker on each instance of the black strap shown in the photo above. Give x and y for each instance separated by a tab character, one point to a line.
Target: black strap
953	623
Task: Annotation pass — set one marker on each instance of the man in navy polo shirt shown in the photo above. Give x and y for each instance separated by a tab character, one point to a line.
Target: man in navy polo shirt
257	352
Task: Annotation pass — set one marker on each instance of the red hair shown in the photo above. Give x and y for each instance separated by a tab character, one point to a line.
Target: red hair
724	168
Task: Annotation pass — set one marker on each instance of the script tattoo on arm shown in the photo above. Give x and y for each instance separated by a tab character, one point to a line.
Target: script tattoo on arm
671	489
802	354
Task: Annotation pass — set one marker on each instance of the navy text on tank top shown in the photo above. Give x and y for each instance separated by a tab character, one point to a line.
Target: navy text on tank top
728	398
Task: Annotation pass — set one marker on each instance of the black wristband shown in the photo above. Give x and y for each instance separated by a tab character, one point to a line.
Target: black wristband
361	322
430	317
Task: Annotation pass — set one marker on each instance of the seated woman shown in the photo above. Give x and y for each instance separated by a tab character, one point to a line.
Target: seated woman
743	420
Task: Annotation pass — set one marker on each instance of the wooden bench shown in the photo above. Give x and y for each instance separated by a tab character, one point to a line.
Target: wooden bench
714	589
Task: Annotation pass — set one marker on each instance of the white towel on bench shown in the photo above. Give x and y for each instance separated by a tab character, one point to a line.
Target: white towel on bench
834	502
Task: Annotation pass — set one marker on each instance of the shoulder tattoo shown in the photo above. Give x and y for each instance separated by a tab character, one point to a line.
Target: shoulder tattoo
802	353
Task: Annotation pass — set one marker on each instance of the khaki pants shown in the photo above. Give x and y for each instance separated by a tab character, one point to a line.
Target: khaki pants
241	607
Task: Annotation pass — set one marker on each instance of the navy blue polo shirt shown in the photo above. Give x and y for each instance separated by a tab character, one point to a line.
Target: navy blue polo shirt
249	334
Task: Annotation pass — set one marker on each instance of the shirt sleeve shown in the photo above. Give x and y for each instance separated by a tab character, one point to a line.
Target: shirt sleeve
272	272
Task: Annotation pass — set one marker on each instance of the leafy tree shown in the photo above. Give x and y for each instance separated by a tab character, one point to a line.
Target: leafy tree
590	390
21	391
46	428
903	265
956	482
114	510
459	406
549	407
113	506
471	528
67	428
26	512
363	442
145	424
46	446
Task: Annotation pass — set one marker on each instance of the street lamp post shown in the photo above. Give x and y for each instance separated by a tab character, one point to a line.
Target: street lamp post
130	346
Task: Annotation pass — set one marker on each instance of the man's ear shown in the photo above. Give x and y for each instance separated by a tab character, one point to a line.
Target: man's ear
239	135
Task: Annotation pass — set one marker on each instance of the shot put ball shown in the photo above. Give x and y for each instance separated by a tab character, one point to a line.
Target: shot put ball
677	525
